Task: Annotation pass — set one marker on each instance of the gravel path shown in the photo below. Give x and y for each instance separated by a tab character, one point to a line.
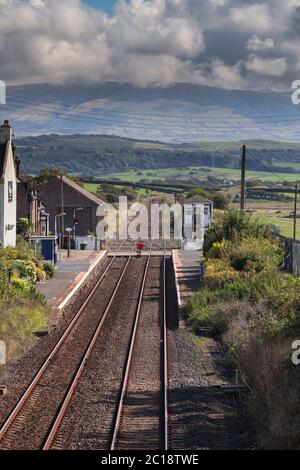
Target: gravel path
202	417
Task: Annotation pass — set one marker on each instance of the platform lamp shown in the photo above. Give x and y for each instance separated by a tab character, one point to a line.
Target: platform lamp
75	222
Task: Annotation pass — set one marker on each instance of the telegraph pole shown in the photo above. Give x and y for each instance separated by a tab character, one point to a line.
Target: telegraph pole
243	177
62	210
295	212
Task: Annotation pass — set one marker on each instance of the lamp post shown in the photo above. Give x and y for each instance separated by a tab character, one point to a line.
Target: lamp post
295	212
69	230
62	214
74	222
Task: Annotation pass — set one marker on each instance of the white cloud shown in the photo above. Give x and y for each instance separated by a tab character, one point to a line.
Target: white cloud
4	4
269	67
255	17
257	44
225	76
162	41
140	28
162	69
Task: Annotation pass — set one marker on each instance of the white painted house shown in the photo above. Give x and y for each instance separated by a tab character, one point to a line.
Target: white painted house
8	188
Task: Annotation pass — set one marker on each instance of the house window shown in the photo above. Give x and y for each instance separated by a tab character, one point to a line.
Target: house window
10	191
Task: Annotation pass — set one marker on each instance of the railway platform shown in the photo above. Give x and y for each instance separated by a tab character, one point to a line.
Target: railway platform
187	270
68	274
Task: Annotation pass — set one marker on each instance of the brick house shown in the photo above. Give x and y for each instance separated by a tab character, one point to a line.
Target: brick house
74	197
31	207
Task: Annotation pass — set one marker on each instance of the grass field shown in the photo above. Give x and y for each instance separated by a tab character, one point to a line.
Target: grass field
141	191
284	223
255	175
275	213
134	177
202	172
294	165
91	187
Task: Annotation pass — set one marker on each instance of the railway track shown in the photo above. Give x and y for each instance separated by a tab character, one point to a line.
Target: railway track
146	330
28	424
39	419
141	421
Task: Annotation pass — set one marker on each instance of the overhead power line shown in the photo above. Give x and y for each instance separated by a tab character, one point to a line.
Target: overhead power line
150	125
269	170
139	115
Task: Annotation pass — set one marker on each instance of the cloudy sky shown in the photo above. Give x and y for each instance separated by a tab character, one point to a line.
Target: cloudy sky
235	44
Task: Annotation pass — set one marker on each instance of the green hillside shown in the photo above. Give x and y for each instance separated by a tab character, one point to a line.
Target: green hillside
98	154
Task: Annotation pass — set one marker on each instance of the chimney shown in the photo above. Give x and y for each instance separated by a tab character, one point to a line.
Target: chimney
6	132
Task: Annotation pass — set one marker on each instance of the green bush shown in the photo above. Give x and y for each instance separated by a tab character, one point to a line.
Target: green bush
24	251
22	288
266	288
18	323
23	226
8	254
220	201
49	270
218	250
254	253
23	309
201	307
234	224
25	270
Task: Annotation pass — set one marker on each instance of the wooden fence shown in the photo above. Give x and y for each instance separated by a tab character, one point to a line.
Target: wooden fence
291	254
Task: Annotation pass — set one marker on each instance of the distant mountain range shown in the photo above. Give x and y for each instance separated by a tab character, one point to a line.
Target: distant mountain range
175	114
96	155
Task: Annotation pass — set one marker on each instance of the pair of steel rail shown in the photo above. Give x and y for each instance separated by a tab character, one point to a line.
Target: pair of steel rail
52	433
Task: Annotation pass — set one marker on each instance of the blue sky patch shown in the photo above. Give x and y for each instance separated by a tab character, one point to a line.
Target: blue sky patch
106	5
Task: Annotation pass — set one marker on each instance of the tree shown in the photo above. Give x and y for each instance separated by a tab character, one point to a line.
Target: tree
48	174
23	227
200	192
220	201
